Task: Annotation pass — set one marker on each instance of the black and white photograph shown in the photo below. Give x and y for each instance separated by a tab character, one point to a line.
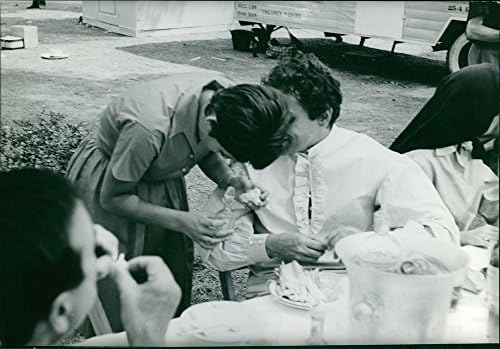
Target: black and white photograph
249	173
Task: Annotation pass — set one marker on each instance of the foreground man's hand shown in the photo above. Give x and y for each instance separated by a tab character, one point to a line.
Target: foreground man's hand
148	305
106	246
293	246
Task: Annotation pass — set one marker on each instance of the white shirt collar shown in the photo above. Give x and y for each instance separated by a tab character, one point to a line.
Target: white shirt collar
317	148
462	152
453	149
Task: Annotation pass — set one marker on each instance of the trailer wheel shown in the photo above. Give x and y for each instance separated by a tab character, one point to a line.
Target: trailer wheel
457	54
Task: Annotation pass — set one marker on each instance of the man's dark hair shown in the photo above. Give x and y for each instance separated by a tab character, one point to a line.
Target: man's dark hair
37	260
252	123
306	78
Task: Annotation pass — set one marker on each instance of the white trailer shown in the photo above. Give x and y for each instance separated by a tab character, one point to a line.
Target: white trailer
440	24
155	18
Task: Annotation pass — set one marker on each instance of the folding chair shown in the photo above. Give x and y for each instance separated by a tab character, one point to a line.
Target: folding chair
227	286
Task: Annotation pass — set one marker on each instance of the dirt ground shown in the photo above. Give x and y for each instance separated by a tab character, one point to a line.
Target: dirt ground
382	92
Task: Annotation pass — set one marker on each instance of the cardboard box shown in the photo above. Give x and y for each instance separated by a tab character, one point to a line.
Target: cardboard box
28	32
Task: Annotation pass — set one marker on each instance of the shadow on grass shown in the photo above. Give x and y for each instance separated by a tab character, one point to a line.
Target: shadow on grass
219	55
371	61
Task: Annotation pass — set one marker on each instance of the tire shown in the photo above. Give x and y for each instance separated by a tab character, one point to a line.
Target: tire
457	54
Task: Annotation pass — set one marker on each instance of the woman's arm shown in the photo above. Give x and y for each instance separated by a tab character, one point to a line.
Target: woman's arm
118	197
136	148
217	169
475	30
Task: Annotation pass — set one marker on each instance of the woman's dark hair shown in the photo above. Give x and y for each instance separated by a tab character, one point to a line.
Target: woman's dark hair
252	123
37	260
309	80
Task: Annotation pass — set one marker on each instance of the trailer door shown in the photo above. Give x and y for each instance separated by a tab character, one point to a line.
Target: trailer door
379	19
107	12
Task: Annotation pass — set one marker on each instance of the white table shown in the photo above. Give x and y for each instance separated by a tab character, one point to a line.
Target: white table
278	324
281	325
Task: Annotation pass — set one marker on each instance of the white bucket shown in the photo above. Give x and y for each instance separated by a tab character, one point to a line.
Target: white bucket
492	294
392	308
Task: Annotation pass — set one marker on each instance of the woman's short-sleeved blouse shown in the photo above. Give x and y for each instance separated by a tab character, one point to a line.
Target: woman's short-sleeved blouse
151	132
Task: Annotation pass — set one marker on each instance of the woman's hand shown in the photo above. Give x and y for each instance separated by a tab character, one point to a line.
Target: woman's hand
231	175
480	236
242	185
204	229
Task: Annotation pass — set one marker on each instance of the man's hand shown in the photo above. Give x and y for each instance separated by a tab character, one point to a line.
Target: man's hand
146	308
106	245
331	239
294	246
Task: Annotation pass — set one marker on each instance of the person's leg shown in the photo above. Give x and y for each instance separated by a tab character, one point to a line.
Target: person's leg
34	4
176	249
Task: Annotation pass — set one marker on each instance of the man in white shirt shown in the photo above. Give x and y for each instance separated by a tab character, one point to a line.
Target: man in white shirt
327	184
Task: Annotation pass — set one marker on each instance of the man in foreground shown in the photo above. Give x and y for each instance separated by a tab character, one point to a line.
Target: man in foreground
50	269
328	183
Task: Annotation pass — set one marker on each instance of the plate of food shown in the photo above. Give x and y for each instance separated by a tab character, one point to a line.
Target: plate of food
300	288
275	290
